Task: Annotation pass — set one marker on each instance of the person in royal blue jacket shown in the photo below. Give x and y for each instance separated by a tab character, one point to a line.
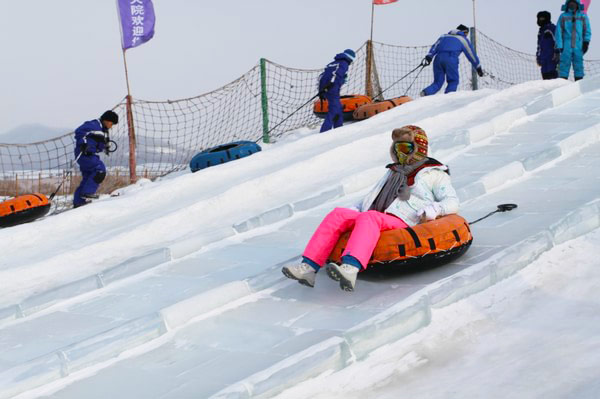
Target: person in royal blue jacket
330	84
446	51
545	46
573	35
91	139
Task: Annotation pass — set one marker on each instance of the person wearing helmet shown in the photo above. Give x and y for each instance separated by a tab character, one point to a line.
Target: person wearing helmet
446	51
414	189
331	80
91	139
573	35
545	46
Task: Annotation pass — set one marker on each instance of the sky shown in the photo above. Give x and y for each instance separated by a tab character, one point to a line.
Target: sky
96	285
62	63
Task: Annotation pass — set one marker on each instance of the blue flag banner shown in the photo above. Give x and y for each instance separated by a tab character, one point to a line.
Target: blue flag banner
137	22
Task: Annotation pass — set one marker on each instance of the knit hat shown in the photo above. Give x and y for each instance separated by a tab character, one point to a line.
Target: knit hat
110	116
545	14
350	53
462	28
415	135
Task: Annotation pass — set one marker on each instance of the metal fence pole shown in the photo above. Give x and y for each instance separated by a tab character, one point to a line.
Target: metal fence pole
264	100
369	71
474	76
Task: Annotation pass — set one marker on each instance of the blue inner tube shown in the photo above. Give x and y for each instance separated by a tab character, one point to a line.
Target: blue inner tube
223	153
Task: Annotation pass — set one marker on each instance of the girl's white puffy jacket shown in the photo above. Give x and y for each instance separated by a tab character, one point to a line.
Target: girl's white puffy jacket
432	184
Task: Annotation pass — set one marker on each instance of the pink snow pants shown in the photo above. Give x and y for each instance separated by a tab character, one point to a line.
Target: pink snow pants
366	228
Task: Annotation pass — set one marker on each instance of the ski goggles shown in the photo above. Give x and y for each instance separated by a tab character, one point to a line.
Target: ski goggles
404	147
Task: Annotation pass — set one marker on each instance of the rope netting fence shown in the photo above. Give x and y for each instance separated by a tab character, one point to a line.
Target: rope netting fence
169	133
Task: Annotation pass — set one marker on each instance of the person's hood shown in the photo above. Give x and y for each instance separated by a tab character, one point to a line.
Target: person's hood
546	15
566	8
413	134
343	56
457	32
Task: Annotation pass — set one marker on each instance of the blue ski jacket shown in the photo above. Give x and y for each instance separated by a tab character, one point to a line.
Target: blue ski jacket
335	73
91	133
572	28
454	43
545	48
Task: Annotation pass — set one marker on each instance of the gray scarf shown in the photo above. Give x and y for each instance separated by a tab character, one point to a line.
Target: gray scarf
395	186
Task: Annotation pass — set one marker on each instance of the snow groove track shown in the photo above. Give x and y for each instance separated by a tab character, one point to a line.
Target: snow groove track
277	332
194	240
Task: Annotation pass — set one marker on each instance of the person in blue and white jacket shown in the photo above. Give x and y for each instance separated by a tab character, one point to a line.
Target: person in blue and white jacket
446	51
90	139
573	35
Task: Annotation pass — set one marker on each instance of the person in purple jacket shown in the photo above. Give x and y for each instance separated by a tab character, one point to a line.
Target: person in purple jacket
446	51
545	57
91	139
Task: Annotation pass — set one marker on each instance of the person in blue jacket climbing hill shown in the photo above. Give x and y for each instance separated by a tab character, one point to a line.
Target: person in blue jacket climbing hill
330	84
446	51
91	139
573	35
545	46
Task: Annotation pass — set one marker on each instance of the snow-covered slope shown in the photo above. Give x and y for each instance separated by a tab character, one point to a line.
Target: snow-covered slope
532	335
177	282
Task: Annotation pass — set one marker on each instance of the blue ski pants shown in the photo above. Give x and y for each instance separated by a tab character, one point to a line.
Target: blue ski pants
571	56
93	173
335	115
445	67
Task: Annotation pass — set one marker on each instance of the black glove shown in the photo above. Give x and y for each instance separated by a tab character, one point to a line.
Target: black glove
426	61
586	45
324	91
84	150
480	72
556	57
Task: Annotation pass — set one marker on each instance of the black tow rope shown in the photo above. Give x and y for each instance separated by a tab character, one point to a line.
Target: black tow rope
399	80
501	208
414	80
290	115
317	95
65	177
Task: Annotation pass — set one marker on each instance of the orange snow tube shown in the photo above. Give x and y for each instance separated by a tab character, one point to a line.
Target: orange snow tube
431	243
349	105
23	208
372	109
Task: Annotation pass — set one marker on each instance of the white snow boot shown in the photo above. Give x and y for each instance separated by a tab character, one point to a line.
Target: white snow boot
345	274
304	273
